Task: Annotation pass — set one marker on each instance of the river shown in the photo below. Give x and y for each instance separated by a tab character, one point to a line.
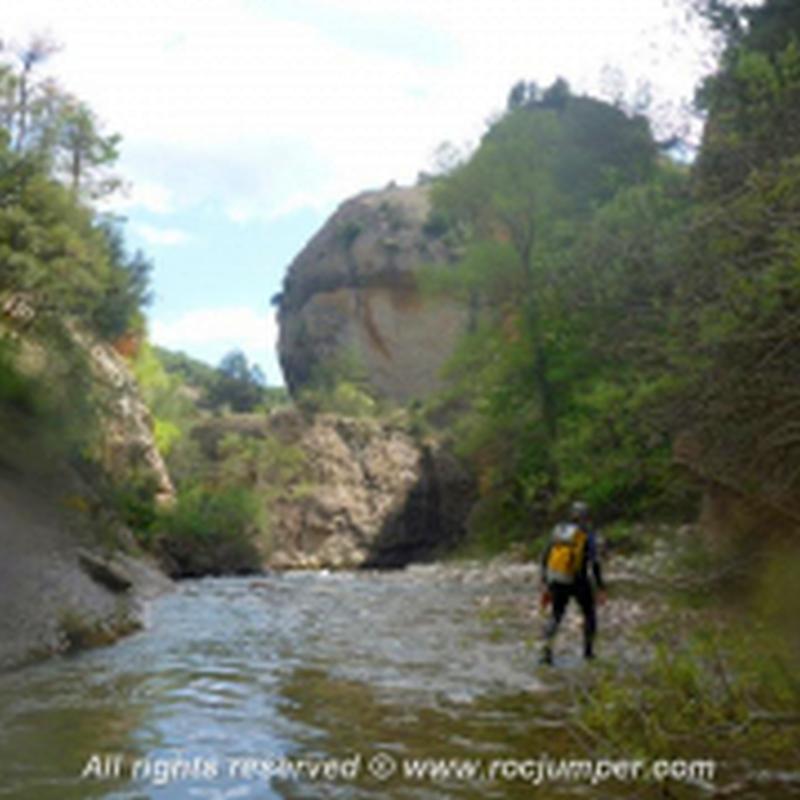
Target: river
351	672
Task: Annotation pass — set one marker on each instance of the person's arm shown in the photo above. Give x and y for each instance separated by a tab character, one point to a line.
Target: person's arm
594	560
543	565
545	597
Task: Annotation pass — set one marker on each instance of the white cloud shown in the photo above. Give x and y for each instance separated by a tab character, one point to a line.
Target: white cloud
228	327
145	195
256	109
237	103
210	333
167	237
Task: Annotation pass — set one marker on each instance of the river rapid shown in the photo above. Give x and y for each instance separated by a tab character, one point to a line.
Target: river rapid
235	682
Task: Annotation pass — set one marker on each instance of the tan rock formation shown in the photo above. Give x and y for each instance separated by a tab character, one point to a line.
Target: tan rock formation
353	293
128	443
363	492
129	446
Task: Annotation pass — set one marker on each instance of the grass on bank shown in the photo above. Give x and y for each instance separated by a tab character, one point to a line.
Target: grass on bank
721	680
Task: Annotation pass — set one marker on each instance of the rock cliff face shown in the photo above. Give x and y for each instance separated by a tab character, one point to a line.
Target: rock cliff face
68	576
370	496
59	590
353	294
361	492
129	446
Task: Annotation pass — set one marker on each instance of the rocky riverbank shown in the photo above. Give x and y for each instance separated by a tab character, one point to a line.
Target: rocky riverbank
71	575
57	591
508	595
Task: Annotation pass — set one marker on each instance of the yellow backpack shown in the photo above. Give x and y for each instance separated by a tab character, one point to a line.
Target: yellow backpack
567	548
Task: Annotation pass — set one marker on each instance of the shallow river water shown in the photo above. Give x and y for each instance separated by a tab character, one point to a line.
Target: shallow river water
235	683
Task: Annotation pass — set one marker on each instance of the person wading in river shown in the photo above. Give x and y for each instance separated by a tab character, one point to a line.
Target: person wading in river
566	564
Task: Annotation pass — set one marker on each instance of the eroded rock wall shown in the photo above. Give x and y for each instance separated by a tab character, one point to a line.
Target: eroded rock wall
71	575
128	443
58	590
369	494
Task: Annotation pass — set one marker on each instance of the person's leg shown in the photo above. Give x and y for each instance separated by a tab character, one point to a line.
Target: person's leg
584	594
560	596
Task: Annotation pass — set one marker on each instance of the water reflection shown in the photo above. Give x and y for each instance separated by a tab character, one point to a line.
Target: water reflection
300	664
348	718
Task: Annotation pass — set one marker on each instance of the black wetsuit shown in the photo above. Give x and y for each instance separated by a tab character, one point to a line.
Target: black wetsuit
583	592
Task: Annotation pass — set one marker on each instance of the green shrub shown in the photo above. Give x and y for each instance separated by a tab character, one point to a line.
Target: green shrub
274	397
267	464
134	502
49	407
627	538
495	525
210	532
341	385
722	682
167	434
15	390
717	679
436	225
352	400
346	398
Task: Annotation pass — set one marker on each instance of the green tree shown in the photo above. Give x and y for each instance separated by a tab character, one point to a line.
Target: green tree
524	201
238	385
752	100
62	262
85	154
47	123
126	291
69	263
737	322
736	311
619	285
29	99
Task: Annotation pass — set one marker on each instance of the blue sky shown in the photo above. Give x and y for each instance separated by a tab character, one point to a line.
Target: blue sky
246	122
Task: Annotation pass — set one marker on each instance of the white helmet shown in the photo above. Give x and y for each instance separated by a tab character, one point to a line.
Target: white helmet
579	510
